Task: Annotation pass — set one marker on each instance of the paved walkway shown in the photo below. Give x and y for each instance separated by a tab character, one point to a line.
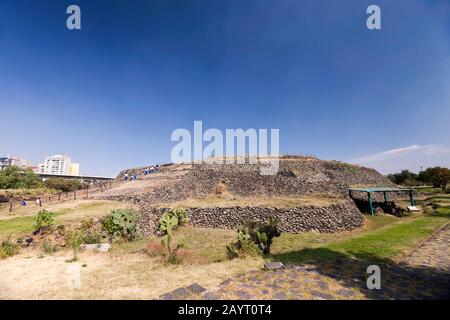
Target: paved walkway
435	253
423	275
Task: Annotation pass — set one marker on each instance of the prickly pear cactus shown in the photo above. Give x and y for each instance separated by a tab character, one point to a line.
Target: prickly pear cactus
168	223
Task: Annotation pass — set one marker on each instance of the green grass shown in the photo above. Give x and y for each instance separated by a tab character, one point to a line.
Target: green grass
388	240
428	189
16	226
19	226
8	249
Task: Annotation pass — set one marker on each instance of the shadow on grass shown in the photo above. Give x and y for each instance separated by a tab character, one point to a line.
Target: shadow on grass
398	281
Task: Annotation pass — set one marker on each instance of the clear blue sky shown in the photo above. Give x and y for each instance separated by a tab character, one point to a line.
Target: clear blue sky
110	94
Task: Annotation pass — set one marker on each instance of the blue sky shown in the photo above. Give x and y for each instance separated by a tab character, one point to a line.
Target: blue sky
111	94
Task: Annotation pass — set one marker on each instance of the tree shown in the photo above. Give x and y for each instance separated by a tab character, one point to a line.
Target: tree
438	176
64	185
404	177
18	178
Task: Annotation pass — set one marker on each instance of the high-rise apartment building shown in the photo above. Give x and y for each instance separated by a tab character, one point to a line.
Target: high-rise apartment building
59	164
16	161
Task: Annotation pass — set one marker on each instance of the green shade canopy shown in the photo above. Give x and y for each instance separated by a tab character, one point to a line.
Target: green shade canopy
383	190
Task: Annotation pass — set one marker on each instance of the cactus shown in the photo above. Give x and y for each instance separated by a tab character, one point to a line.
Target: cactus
254	237
168	222
180	214
242	246
122	223
262	234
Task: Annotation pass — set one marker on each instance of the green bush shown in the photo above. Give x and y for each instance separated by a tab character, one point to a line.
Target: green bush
91	234
8	249
91	237
44	219
254	238
262	234
64	185
243	246
122	223
74	239
18	178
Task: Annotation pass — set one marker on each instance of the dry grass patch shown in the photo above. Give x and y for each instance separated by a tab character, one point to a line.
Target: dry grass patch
212	201
108	276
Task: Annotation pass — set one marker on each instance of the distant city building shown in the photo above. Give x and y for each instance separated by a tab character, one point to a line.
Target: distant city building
10	161
40	168
59	164
74	169
4	162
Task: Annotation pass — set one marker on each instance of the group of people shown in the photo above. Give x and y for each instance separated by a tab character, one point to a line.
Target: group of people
148	170
132	178
151	169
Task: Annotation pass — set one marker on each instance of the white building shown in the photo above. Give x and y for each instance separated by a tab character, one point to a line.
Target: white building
16	161
59	164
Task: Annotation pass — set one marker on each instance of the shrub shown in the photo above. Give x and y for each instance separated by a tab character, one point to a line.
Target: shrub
18	178
64	185
47	247
44	219
243	246
8	249
254	238
122	223
90	233
74	239
91	237
262	234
